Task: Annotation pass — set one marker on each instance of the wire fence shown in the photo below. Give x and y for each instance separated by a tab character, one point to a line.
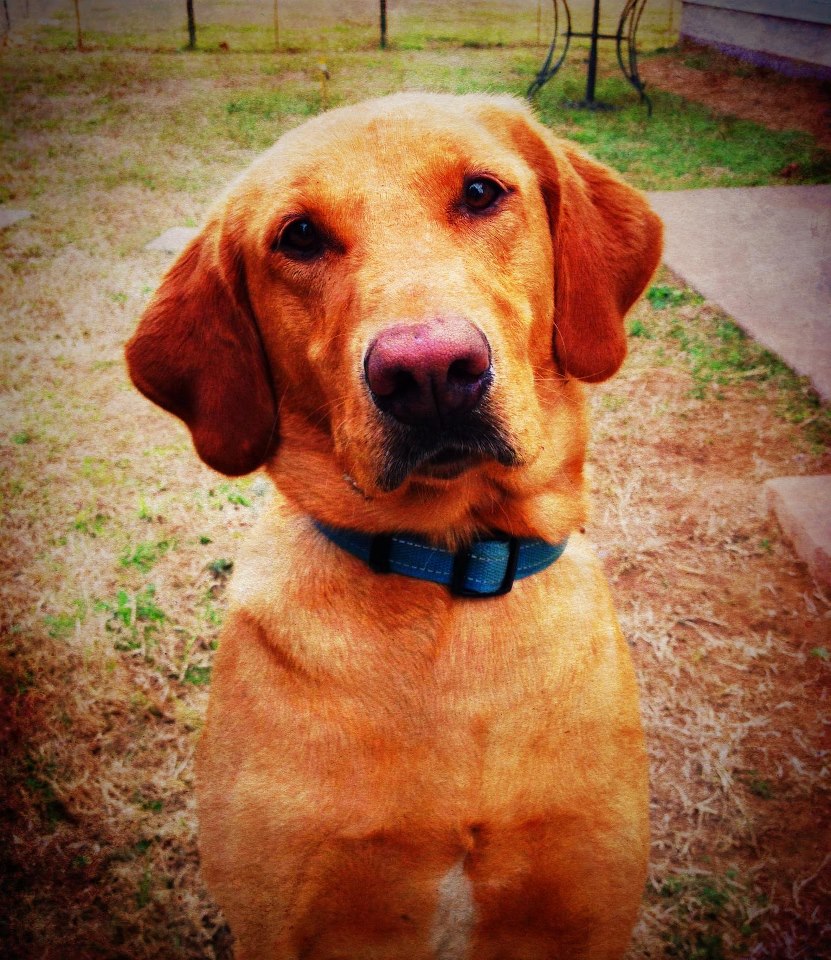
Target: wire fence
300	25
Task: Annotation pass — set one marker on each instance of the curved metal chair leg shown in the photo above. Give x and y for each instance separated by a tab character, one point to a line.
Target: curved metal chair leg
547	71
627	31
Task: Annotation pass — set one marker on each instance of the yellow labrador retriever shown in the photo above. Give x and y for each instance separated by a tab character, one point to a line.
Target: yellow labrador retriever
423	740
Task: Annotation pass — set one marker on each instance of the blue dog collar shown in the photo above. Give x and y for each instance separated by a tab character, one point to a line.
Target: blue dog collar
487	568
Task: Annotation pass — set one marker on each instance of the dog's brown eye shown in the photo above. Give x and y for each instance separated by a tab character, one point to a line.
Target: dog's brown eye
481	193
300	239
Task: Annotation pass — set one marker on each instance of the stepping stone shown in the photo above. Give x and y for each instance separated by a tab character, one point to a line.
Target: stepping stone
9	217
803	508
173	240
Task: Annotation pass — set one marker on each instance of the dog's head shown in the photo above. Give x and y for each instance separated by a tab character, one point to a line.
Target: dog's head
394	309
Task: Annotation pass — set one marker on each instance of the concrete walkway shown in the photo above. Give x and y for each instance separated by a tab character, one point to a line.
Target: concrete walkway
763	254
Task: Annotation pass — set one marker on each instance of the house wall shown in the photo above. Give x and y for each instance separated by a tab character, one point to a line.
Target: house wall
793	36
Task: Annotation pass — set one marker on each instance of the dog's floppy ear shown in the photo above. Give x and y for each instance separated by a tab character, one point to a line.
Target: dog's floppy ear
607	244
197	353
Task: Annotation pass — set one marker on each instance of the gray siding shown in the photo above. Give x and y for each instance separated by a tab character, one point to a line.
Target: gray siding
765	31
809	11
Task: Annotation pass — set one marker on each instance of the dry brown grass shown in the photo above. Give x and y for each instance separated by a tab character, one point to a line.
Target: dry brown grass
102	682
730	637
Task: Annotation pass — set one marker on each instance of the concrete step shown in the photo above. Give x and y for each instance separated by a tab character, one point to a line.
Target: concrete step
803	508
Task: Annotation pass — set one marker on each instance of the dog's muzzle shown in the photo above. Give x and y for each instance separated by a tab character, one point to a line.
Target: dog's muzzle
431	381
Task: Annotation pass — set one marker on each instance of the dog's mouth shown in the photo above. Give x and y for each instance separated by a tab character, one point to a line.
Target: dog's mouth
443	454
448	463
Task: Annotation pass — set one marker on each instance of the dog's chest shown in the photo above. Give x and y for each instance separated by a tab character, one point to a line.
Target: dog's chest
433	764
423	715
387	693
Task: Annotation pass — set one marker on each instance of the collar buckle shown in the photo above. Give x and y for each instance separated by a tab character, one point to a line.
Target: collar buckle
380	551
461	567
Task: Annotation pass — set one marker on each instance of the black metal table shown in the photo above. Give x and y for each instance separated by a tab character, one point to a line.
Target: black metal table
625	37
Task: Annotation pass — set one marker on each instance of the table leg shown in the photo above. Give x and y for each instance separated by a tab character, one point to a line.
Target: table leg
627	32
550	67
591	76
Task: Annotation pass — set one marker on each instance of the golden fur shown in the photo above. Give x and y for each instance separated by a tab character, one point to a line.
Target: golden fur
390	772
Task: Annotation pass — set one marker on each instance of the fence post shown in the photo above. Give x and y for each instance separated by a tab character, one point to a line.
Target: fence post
383	24
79	37
191	26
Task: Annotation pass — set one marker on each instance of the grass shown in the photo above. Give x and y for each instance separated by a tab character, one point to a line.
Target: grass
221	567
703	901
683	145
120	545
228	107
62	624
133	619
719	354
144	556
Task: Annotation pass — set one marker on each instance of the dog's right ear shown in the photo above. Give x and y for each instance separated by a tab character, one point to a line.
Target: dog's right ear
198	353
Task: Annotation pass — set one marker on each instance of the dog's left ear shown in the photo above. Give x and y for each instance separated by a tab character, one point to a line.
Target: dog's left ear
607	244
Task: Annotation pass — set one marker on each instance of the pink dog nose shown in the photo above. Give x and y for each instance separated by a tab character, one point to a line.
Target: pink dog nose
428	372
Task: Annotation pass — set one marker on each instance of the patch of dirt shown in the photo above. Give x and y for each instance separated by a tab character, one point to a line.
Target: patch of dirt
732	87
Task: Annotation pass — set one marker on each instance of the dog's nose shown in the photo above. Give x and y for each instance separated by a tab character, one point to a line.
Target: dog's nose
428	372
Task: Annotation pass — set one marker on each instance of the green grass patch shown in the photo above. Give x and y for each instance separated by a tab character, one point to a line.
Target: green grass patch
61	625
197	676
719	355
133	618
662	296
724	354
211	612
233	493
221	567
90	523
257	119
98	471
683	145
144	556
150	804
638	329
